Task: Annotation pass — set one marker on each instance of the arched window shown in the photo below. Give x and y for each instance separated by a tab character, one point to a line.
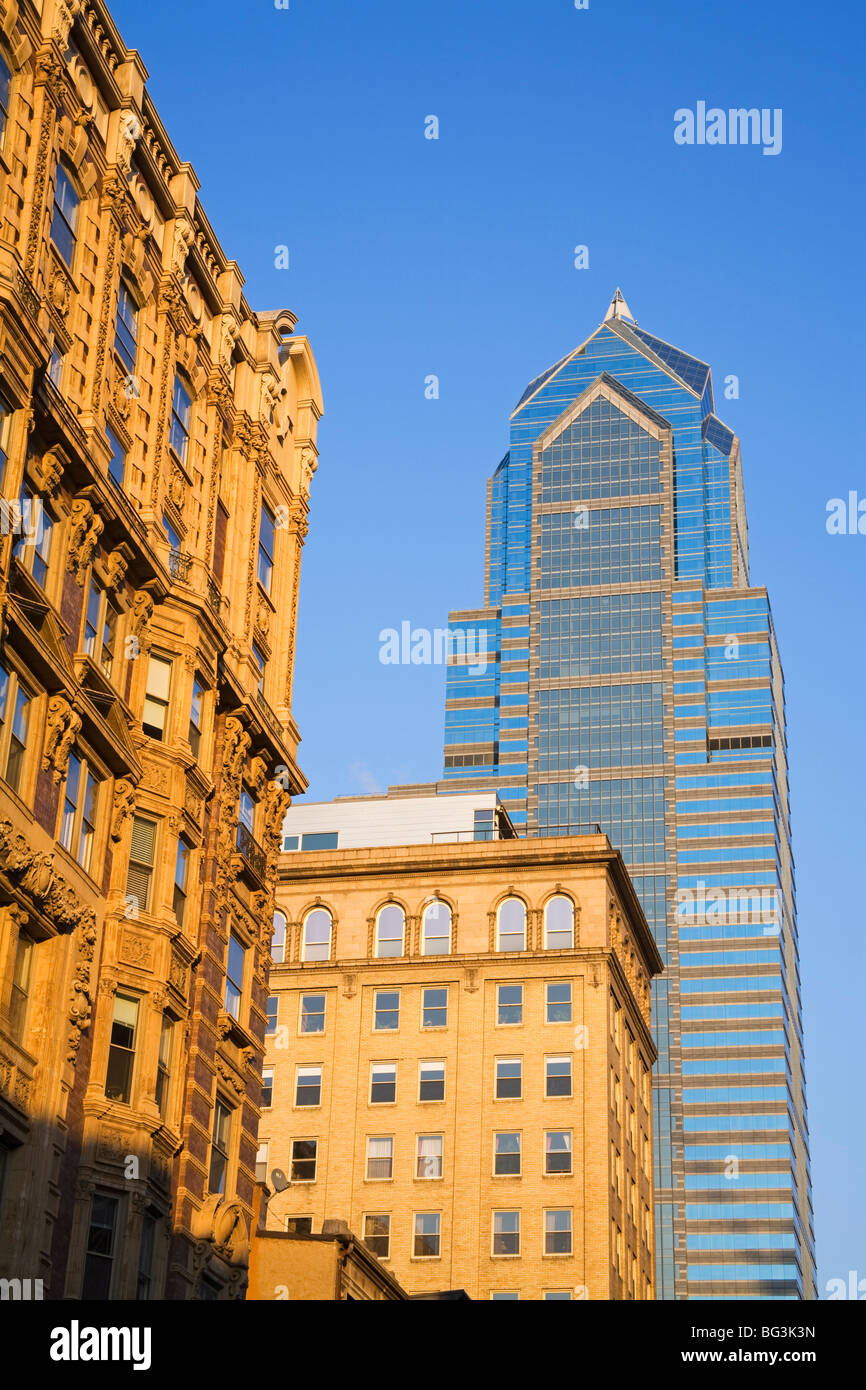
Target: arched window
317	935
64	219
559	923
390	925
511	925
278	939
437	929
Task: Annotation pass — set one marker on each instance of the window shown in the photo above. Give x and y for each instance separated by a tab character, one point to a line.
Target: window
511	925
262	1161
172	534
5	407
117	462
380	1159
557	1076
308	1086
557	1151
557	1232
265	568
55	368
377	1234
145	1257
181	877
428	1235
559	924
557	1295
505	1296
219	1147
506	1233
5	88
101	1236
259	659
436	932
126	328
14	726
196	714
509	1004
304	1155
121	1050
390	923
78	819
318	839
312	1013
431	1081
246	815
383	1083
100	627
65	216
163	1065
616	1021
278	939
22	971
434	1008
386	1010
272	1010
615	1094
506	1155
428	1158
629	1051
155	715
484	822
235	976
181	411
139	875
267	1087
317	934
299	1225
33	547
509	1078
558	1002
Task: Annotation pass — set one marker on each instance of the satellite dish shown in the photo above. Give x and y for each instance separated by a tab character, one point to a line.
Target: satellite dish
279	1181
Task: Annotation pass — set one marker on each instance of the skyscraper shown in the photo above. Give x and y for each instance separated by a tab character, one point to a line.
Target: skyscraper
632	679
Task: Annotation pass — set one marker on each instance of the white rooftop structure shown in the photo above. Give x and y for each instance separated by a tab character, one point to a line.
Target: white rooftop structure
619	309
417	815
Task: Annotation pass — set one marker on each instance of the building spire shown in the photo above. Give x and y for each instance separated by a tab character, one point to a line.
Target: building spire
619	309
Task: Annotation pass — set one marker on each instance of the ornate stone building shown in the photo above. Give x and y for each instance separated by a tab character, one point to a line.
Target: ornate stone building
157	444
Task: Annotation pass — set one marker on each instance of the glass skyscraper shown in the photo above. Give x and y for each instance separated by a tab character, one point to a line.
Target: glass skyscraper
632	680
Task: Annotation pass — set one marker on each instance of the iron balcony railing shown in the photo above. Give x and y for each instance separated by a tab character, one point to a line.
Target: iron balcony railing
178	564
251	851
268	715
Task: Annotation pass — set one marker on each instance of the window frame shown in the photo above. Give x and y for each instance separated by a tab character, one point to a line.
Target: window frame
381	1067
432	910
559	898
180	431
549	1172
238	987
262	552
9	716
508	1060
429	1062
501	1007
368	1236
293	1160
558	1057
125	1053
88	785
558	1004
378	1011
434	1008
302	1031
419	1158
552	1234
509	1134
387	1158
63	180
416	1235
305	944
220	1145
505	903
504	1234
121	326
308	1069
378	939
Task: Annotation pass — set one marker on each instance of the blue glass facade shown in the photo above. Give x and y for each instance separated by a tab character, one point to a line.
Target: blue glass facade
633	680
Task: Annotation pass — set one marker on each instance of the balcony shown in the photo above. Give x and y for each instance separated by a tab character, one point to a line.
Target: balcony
214	597
253	855
269	717
179	564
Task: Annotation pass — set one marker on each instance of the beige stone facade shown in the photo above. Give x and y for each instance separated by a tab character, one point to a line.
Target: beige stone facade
458	1064
158	441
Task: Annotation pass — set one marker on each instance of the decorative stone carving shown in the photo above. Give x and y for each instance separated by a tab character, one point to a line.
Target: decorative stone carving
309	464
228	339
257	775
84	532
140	615
49	470
184	236
62	726
128	133
115	570
263	618
124	801
136	950
60	293
64	18
177	487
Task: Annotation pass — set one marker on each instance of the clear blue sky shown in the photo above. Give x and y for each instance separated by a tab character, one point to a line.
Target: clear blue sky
411	257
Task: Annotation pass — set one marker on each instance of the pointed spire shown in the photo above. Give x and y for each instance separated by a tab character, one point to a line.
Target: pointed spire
619	309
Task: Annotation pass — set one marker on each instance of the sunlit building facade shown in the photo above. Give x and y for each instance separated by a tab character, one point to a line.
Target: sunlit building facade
633	680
